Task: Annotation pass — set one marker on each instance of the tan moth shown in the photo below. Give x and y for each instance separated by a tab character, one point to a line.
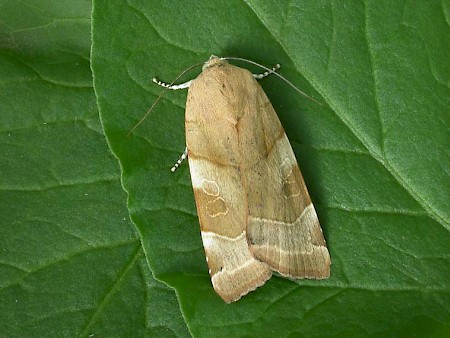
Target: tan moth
255	212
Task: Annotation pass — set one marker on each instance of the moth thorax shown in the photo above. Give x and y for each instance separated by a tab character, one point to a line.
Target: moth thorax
213	60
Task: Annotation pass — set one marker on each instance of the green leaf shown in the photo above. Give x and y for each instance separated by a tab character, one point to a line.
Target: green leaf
72	263
374	156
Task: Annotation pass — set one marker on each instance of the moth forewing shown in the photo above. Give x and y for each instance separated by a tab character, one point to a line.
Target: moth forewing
215	157
254	209
284	231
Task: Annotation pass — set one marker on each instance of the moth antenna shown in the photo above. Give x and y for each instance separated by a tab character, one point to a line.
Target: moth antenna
272	71
161	95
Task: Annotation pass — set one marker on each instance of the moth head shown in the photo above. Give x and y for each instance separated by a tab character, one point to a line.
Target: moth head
213	60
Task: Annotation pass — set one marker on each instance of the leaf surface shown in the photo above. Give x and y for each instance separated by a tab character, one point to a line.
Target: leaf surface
72	263
374	155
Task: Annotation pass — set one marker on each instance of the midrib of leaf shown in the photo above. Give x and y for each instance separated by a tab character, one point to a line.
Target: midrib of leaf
433	212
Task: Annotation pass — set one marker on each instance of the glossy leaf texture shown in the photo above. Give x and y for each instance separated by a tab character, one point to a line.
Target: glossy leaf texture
374	155
72	263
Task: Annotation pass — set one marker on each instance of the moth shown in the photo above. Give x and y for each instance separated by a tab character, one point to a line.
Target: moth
255	212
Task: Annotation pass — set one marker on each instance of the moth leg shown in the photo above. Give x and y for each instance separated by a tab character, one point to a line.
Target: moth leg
172	86
266	73
180	160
